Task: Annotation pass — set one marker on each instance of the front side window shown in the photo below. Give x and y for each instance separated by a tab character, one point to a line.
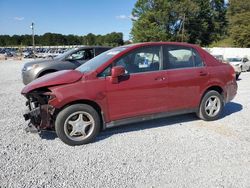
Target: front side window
141	60
99	60
85	54
176	57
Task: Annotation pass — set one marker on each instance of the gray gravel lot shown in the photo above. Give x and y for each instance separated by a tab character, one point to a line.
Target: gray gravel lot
180	151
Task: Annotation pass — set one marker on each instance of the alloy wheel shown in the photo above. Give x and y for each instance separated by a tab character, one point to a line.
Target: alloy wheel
79	126
212	106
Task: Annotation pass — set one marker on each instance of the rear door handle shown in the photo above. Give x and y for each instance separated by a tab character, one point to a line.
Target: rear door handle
160	78
202	73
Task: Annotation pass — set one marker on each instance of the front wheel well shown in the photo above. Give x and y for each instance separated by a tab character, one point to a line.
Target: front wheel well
46	72
88	102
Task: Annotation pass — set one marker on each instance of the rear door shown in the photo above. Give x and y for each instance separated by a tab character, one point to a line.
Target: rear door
187	75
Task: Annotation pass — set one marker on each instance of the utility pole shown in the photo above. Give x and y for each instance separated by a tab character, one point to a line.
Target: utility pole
183	28
33	38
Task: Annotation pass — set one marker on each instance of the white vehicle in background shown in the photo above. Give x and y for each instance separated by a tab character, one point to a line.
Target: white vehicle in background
219	57
243	63
239	65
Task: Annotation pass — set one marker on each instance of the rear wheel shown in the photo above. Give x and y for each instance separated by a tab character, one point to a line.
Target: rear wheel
77	124
211	106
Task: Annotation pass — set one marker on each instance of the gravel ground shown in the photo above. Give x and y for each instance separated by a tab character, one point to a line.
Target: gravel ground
180	151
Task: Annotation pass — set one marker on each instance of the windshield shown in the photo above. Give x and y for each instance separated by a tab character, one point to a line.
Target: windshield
65	54
99	60
234	59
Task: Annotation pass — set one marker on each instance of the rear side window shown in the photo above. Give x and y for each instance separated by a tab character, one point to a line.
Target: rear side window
177	57
142	60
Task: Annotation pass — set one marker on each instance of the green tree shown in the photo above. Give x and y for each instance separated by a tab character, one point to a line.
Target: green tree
239	22
55	39
151	21
191	21
90	39
113	39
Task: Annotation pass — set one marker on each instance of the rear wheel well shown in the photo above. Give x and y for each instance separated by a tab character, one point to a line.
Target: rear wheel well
88	102
46	72
213	88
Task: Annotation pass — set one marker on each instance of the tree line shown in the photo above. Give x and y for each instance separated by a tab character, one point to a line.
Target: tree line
203	22
54	39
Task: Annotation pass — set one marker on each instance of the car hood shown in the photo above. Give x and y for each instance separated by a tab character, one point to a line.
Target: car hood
56	78
235	62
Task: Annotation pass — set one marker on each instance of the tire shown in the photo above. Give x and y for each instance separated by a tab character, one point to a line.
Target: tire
237	76
209	109
77	124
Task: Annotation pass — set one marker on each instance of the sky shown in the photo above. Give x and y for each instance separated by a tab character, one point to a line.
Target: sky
78	17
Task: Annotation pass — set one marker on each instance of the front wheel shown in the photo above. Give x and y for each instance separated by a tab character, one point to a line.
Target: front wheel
77	124
211	106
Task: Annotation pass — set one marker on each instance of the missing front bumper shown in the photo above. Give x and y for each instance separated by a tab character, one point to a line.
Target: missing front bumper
39	118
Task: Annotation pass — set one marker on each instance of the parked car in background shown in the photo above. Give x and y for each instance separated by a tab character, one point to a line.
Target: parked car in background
66	61
129	84
239	64
219	57
243	63
29	54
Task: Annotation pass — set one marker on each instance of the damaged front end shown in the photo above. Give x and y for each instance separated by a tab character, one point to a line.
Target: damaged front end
40	113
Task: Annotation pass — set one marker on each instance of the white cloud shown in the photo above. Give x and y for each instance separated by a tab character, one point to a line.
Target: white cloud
19	18
121	17
125	17
132	17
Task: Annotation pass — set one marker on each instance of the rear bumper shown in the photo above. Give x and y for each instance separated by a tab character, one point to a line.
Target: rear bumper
231	91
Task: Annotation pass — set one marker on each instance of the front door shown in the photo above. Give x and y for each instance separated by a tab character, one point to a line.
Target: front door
140	91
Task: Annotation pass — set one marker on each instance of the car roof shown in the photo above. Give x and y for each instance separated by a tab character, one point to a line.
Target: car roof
87	47
138	45
159	43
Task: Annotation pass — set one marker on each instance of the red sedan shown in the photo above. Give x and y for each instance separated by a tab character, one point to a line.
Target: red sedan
129	84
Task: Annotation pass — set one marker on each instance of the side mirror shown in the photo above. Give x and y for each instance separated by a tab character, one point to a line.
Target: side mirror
116	72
